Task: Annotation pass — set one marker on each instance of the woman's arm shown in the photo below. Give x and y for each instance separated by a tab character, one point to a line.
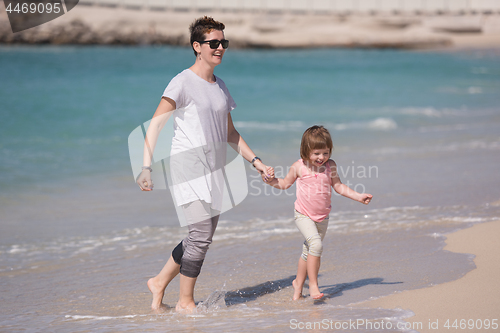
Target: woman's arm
244	150
345	190
160	118
290	178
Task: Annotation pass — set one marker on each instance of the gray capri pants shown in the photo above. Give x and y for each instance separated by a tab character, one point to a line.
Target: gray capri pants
313	232
190	252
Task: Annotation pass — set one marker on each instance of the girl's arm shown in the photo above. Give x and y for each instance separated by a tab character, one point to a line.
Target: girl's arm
290	178
244	150
345	190
160	118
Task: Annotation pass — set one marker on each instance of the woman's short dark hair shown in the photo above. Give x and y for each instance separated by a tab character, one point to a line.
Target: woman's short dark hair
202	26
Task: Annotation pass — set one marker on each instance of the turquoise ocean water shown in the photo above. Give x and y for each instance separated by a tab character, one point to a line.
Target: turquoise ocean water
78	240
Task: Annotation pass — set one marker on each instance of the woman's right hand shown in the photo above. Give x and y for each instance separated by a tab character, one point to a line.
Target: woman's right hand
144	180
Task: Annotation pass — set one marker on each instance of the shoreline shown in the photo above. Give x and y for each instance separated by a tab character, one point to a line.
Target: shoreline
472	300
99	25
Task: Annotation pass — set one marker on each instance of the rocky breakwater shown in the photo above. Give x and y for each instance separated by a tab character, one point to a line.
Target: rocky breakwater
94	25
79	32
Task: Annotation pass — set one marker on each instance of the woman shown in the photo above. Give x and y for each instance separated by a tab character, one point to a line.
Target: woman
201	106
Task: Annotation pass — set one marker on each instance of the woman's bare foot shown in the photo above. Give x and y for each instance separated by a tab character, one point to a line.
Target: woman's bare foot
185	308
162	309
297	292
157	292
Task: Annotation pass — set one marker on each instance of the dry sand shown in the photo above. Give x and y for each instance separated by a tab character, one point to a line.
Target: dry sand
104	25
475	296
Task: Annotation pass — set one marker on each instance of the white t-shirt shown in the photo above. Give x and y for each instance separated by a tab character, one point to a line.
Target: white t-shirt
199	145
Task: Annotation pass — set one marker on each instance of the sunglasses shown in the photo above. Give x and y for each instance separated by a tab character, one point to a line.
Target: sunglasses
214	43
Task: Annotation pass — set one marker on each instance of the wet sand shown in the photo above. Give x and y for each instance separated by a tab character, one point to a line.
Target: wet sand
471	300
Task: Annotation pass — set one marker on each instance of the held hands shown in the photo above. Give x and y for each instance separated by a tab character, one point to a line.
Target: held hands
268	176
144	180
267	173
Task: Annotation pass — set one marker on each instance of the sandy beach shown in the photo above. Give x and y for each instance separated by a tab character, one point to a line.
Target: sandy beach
121	25
466	303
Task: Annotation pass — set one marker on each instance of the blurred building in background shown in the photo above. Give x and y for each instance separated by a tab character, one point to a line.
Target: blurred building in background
372	7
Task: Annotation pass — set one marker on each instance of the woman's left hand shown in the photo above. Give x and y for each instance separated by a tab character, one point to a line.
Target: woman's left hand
267	173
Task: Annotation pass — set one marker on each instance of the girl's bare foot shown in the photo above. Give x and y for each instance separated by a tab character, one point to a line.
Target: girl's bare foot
314	291
317	296
157	292
297	292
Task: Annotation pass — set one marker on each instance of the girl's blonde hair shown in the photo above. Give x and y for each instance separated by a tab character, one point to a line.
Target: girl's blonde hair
315	137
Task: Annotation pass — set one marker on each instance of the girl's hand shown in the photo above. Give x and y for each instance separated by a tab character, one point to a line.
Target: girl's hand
267	173
144	180
268	176
366	198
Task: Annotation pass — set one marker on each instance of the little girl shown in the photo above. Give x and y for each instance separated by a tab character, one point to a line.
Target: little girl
315	173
